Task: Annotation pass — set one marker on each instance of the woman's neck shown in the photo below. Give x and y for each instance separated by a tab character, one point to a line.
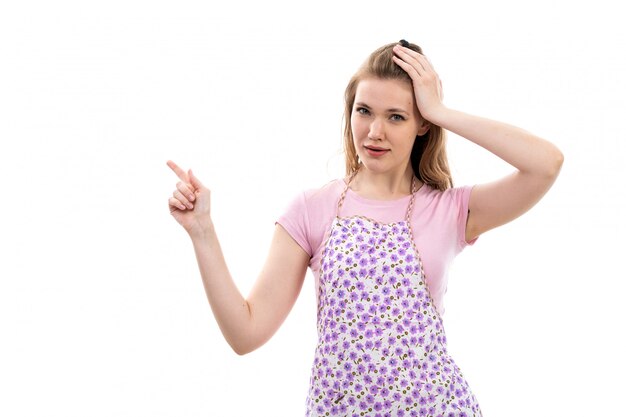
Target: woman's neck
383	186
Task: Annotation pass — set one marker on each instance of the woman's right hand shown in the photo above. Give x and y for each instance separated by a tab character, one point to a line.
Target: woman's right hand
190	203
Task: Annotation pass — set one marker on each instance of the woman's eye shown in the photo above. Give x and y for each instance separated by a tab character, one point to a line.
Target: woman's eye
362	110
396	117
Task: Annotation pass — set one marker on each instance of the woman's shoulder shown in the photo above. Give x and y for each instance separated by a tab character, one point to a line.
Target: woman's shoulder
310	212
451	202
447	194
327	193
318	201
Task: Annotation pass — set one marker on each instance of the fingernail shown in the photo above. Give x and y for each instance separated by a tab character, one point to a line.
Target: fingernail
191	197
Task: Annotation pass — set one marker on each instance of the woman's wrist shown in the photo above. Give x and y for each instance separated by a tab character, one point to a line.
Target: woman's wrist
436	115
203	230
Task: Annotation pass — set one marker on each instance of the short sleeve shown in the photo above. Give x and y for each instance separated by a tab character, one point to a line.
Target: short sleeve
462	197
295	220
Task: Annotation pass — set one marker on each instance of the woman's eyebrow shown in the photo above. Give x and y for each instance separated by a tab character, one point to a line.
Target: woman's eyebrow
392	110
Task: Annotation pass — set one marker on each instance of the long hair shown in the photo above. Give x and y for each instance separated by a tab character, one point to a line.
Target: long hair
428	156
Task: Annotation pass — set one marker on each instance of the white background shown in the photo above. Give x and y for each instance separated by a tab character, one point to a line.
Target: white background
102	311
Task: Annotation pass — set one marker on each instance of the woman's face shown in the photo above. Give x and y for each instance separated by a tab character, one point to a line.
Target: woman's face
385	122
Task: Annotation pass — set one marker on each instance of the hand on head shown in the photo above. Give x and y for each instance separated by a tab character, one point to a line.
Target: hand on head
426	83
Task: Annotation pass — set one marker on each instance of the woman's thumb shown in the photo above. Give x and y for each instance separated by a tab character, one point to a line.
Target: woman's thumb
195	181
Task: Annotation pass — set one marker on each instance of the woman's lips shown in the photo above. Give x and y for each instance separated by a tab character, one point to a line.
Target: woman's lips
376	151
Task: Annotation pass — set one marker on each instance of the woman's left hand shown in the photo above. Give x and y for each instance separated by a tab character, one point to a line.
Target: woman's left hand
426	83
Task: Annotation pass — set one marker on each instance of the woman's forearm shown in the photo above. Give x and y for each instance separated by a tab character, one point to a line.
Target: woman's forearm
230	308
525	151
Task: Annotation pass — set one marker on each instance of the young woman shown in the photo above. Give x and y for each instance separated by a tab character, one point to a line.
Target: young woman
379	243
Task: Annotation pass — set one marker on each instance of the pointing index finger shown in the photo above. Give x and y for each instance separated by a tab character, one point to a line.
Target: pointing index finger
178	171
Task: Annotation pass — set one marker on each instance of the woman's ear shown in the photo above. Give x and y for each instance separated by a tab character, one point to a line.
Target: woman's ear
423	127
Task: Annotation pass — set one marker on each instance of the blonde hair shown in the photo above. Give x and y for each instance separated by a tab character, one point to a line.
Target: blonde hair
428	157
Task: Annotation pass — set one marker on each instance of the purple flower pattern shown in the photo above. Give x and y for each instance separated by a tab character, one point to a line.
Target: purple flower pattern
382	349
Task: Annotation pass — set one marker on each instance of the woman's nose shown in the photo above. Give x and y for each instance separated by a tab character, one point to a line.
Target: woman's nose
376	130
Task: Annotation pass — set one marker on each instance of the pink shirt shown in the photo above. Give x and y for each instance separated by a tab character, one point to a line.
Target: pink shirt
438	220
